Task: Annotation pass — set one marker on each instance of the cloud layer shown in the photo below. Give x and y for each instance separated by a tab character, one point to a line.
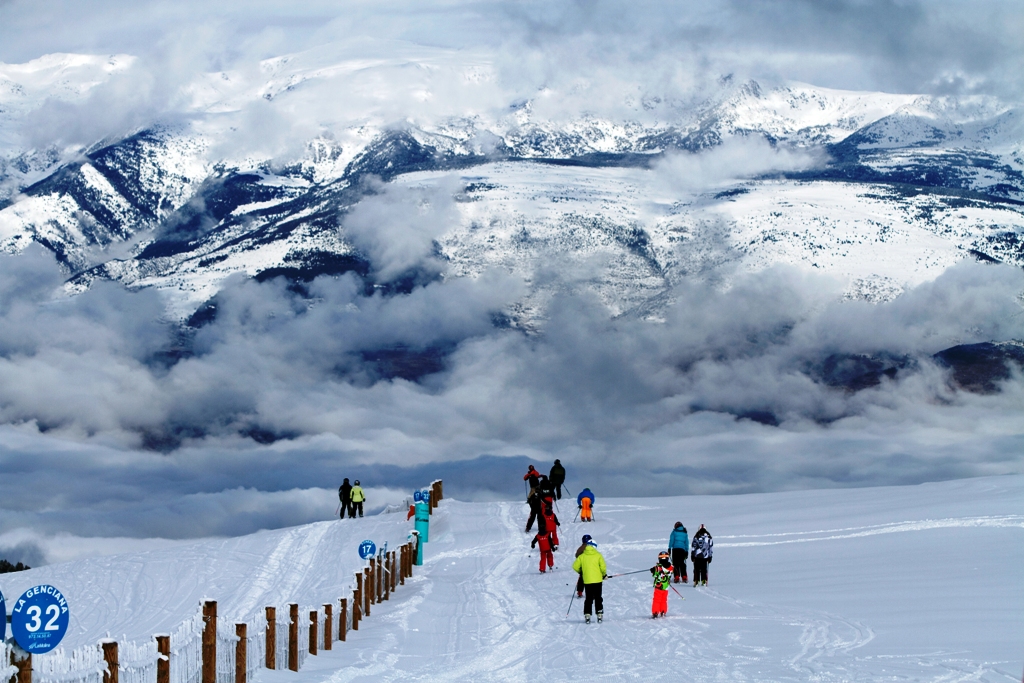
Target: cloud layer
118	424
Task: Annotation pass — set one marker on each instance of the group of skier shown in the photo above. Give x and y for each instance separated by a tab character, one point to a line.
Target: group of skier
589	564
352	498
671	566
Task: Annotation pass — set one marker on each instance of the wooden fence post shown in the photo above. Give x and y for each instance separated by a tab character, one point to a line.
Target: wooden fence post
405	567
387	575
22	661
440	489
110	660
357	602
379	579
210	641
374	584
241	652
314	638
343	619
293	637
394	570
328	625
271	646
163	659
368	590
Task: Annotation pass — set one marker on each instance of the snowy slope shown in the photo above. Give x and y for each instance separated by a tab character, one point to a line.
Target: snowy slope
903	583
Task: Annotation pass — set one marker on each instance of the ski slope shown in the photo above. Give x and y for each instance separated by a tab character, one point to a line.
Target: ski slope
917	583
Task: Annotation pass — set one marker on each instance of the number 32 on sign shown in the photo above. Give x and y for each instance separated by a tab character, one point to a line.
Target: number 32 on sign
39	619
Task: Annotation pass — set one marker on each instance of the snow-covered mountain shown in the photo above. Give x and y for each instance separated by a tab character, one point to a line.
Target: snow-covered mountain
894	189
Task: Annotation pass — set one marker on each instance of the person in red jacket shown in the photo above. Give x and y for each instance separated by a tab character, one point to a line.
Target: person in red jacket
546	556
533	476
551	523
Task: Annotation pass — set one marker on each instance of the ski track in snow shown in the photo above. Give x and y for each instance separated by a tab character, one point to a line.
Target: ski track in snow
778	607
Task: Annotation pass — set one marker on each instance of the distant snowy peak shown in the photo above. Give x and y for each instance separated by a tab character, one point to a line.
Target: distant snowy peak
910	185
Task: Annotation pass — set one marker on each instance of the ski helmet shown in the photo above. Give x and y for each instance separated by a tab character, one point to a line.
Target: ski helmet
587	538
357	482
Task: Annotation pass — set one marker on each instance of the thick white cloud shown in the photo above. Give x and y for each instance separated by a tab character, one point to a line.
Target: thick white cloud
108	434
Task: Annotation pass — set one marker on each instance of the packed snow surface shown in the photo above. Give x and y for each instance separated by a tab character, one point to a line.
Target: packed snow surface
903	583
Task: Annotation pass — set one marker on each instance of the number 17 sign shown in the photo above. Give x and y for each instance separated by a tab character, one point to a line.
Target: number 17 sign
39	619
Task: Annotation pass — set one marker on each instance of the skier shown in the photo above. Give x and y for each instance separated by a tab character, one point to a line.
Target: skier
535	507
544	539
533	475
358	498
579	551
585	502
557	478
544	488
344	494
701	551
551	523
679	545
592	569
662	574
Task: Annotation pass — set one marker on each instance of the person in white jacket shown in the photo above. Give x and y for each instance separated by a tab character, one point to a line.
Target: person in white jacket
701	551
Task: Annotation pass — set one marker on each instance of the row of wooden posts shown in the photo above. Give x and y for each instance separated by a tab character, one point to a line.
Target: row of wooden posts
374	584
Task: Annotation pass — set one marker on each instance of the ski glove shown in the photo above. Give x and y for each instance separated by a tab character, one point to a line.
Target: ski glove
709	560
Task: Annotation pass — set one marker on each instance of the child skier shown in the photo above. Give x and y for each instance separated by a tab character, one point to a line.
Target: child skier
702	549
662	573
544	539
585	501
551	523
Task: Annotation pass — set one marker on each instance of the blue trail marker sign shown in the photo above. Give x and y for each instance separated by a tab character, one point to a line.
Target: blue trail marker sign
39	619
3	618
367	549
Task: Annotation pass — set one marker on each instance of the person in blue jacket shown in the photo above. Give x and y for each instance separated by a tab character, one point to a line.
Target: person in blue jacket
679	546
585	502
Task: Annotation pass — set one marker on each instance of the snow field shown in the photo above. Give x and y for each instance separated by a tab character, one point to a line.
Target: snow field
915	583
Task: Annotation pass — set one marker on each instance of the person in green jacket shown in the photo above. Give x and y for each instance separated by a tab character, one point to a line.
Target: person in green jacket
592	569
357	497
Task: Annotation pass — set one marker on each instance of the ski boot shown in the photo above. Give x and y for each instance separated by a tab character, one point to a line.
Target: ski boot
600	617
586	618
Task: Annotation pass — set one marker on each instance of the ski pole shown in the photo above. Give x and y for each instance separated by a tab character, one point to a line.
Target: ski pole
338	510
612	576
677	592
570	603
576	515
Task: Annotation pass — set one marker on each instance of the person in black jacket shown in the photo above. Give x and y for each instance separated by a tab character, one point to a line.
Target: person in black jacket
345	495
557	478
536	509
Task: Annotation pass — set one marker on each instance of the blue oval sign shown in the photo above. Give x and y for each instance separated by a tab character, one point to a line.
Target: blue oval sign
39	619
417	496
3	618
367	549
